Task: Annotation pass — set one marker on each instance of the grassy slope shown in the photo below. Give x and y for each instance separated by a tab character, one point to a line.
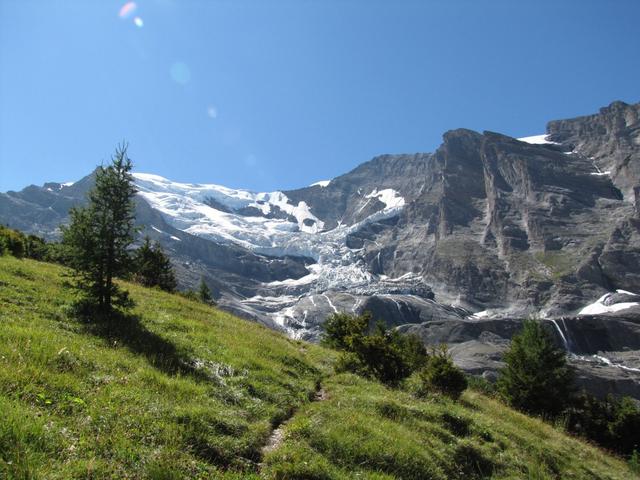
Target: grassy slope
365	428
186	391
79	400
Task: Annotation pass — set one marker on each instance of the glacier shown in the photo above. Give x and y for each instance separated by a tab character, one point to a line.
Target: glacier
245	218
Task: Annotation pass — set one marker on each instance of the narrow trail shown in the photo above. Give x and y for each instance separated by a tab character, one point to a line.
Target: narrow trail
277	435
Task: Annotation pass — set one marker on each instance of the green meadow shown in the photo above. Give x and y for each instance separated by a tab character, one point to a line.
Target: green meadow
178	389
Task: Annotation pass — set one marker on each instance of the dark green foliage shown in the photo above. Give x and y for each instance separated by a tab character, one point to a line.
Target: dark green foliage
341	329
634	462
152	267
36	248
625	426
12	242
98	237
482	385
18	244
189	294
613	423
384	354
536	378
441	375
204	294
55	253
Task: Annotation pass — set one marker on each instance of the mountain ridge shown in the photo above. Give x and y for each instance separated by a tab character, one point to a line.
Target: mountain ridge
487	226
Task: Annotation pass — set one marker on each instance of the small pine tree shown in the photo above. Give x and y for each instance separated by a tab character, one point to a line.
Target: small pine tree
99	234
536	378
204	294
153	267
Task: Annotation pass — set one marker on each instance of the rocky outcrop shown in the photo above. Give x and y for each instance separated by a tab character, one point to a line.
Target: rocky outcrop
345	200
610	139
523	227
604	349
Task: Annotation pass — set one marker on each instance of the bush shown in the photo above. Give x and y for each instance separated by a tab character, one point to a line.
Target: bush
35	247
204	293
340	329
441	375
384	354
482	385
612	423
13	241
190	295
55	253
536	378
349	362
624	428
152	267
634	462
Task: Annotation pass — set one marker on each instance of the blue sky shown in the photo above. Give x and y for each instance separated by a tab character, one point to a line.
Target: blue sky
278	94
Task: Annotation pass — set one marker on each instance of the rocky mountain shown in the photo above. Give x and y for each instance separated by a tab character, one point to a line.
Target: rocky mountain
455	246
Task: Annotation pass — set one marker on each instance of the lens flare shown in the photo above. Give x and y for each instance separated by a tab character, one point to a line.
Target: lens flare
212	112
127	9
138	22
180	73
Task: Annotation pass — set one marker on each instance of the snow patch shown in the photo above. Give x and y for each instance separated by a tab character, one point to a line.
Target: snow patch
292	282
321	183
188	207
330	303
388	196
537	140
625	291
598	307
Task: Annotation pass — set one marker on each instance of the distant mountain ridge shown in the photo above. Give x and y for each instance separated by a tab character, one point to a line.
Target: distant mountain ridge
486	227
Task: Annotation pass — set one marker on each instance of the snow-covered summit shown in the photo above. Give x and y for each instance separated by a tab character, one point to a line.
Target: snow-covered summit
226	214
267	222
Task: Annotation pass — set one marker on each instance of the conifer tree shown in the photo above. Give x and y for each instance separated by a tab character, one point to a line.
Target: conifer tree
536	377
204	294
99	234
153	267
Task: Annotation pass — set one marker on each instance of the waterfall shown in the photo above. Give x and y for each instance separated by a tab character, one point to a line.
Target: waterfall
599	358
570	343
564	339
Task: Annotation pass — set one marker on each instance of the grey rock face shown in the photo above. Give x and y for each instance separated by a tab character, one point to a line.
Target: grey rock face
504	223
604	349
344	200
610	139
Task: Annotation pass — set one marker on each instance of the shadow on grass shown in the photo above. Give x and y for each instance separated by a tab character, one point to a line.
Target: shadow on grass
123	329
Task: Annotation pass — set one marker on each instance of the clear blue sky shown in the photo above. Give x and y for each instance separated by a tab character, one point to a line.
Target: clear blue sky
278	94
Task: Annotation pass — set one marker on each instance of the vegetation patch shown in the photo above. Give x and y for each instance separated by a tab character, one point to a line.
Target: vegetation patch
178	389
